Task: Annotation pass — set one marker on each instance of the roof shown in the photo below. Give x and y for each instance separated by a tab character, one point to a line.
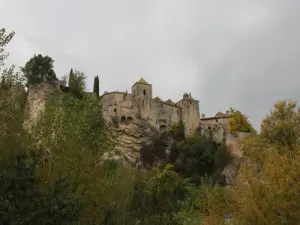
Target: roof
220	114
215	117
169	101
158	99
142	81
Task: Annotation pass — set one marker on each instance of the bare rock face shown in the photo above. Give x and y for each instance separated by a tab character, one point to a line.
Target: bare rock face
233	142
129	140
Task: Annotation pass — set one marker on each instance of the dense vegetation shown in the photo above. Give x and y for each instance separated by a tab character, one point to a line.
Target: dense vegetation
239	122
193	157
56	174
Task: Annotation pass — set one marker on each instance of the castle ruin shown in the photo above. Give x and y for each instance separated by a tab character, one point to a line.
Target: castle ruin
124	107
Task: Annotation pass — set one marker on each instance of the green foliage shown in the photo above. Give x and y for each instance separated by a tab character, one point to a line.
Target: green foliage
77	83
38	68
155	151
96	85
281	126
158	198
177	131
239	122
198	156
193	157
23	197
57	128
4	40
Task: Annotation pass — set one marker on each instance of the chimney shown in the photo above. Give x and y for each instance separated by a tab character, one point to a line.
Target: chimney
202	116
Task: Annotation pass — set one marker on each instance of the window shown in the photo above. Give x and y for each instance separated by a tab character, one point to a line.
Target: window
143	103
129	119
132	106
115	110
144	91
216	120
150	104
123	119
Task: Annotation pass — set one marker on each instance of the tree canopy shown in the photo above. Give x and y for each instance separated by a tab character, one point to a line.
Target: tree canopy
282	125
77	83
38	68
239	122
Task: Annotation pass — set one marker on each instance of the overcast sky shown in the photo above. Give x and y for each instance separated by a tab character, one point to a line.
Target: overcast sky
244	54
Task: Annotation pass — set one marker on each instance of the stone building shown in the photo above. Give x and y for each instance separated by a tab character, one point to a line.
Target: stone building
124	107
216	125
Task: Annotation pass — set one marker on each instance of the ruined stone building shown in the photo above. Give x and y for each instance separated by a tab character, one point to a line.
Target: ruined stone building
124	107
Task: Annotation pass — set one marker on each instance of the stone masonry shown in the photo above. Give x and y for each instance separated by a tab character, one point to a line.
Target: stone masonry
124	107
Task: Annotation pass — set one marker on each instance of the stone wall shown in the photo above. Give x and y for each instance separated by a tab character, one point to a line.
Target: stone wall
157	113
35	103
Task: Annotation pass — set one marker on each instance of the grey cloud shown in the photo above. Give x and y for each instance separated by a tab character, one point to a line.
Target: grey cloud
236	53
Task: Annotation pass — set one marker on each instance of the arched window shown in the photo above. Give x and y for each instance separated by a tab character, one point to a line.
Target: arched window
144	91
123	119
129	119
162	128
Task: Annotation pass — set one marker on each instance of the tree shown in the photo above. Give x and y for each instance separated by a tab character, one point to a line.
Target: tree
38	68
96	85
282	125
239	122
4	40
71	77
23	199
159	197
267	186
77	83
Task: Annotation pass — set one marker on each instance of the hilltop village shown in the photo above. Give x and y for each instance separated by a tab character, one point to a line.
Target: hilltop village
141	105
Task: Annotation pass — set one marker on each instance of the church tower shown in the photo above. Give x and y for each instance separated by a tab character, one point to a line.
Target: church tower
142	88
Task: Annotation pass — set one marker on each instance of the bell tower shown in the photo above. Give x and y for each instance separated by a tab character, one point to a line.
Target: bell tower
142	88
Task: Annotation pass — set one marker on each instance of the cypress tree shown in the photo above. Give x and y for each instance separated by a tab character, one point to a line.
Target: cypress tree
96	85
2	84
71	79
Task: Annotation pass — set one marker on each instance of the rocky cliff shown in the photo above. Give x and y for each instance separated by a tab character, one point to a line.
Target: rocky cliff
233	143
129	139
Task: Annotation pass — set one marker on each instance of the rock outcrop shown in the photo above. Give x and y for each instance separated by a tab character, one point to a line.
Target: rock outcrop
129	139
233	143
